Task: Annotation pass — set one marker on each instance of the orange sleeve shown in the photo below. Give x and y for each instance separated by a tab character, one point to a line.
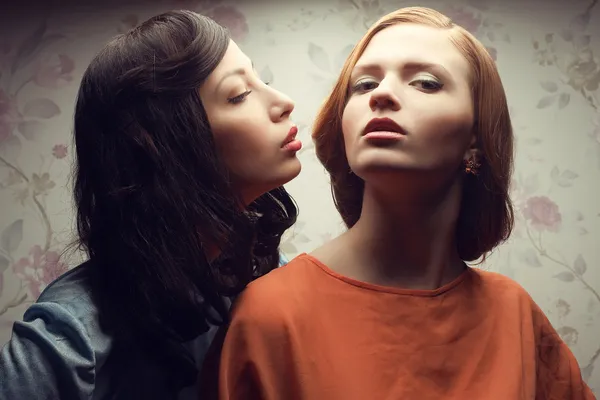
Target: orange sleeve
256	359
558	373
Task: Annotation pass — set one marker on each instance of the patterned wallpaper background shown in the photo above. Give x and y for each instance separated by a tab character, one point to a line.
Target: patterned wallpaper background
548	56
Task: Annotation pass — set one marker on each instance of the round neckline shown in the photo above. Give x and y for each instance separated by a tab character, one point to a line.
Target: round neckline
389	289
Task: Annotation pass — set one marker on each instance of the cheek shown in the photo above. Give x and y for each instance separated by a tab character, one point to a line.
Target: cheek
446	124
225	141
345	127
462	127
247	148
234	148
236	136
451	138
349	125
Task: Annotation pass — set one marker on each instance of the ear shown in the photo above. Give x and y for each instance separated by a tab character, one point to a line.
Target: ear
473	152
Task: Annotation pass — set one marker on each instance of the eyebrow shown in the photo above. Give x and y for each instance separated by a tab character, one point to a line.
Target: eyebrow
411	66
237	71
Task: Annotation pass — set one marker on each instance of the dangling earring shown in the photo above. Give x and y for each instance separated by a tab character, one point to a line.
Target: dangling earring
472	166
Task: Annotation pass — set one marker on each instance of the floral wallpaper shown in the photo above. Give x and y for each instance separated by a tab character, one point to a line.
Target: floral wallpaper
549	65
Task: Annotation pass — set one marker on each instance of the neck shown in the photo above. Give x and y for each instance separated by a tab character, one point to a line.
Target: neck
406	237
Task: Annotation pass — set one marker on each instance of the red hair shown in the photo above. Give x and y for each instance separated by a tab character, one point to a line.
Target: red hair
486	216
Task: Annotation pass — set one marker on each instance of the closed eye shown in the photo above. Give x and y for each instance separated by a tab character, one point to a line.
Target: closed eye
239	98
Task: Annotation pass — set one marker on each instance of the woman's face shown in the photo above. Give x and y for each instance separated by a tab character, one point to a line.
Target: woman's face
410	107
251	125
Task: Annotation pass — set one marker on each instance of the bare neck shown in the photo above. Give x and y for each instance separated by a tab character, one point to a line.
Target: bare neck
402	239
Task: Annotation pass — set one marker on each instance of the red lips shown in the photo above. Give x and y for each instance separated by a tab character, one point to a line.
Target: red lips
290	136
291	144
382	125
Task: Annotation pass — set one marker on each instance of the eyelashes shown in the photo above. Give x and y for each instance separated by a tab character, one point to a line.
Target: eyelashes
239	98
364	86
427	85
433	84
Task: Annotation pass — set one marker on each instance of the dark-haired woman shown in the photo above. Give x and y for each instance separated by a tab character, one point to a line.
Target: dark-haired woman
181	154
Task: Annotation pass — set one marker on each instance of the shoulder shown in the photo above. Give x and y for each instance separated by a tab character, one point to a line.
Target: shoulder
55	329
507	297
500	286
71	293
278	282
277	294
66	309
72	287
512	297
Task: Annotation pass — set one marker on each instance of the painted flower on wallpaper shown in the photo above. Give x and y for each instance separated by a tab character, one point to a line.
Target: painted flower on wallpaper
571	53
231	18
360	14
581	69
542	213
569	335
9	116
544	53
54	72
59	151
563	308
493	52
485	29
371	11
26	120
41	184
463	17
23	187
39	269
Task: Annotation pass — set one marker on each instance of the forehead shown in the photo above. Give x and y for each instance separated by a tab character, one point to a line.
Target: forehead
234	58
407	42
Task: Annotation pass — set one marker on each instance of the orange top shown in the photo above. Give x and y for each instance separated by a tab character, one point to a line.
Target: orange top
305	332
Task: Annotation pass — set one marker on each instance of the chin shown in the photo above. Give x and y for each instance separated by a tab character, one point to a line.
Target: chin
278	177
390	173
286	173
377	161
289	170
379	166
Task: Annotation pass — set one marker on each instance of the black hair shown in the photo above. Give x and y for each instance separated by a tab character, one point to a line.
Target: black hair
151	192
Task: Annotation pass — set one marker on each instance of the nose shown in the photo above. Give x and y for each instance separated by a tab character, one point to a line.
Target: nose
384	97
282	106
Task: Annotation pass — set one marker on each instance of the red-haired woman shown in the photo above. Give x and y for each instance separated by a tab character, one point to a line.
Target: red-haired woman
417	138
